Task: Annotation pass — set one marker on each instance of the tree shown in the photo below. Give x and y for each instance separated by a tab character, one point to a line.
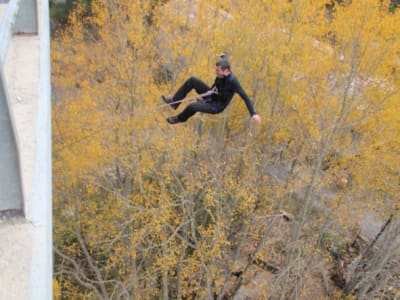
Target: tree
145	210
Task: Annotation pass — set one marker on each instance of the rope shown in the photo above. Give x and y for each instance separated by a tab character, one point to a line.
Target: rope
199	97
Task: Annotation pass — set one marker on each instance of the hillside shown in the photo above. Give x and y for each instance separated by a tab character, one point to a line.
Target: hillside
304	205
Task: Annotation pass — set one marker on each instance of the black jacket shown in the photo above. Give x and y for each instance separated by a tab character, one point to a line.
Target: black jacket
227	87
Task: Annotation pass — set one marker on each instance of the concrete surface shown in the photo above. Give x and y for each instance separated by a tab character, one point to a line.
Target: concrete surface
15	259
40	213
18	236
26	239
10	178
26	21
22	77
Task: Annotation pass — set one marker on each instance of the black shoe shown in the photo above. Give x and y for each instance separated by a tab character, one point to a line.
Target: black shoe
173	120
169	101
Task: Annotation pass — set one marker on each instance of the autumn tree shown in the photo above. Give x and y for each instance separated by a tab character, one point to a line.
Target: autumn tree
217	206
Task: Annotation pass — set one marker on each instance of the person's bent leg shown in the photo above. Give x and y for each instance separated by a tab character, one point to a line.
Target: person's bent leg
192	83
193	108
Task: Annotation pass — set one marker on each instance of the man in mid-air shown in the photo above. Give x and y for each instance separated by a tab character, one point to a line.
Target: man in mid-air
218	95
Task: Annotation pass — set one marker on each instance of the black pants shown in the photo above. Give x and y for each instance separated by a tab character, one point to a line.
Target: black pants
208	106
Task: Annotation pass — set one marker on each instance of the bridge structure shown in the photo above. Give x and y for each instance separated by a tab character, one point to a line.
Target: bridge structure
25	151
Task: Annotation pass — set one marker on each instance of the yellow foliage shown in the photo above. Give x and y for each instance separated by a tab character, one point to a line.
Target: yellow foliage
146	210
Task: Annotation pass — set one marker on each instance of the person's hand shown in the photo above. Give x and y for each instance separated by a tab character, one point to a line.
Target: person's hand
256	119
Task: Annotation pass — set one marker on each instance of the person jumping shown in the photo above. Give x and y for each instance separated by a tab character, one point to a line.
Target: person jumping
216	98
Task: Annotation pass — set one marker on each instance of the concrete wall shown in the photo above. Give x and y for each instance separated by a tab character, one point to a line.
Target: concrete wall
10	177
27	21
41	214
10	180
25	150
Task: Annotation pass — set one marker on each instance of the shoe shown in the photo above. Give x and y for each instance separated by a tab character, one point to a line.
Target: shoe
173	120
169	101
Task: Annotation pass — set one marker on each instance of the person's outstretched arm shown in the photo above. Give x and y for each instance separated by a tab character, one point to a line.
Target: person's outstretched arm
238	89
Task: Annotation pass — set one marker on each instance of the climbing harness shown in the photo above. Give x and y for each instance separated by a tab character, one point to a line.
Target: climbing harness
200	97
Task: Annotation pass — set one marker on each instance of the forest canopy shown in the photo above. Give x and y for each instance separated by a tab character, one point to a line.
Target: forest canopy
303	205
